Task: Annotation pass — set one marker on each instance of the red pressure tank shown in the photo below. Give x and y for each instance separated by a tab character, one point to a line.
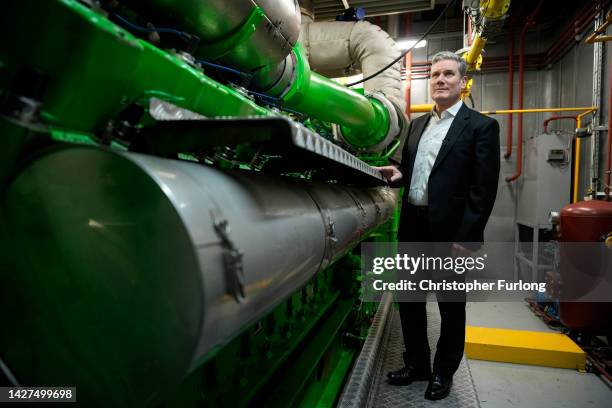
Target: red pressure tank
584	221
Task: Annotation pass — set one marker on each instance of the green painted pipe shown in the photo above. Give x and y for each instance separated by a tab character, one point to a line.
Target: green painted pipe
331	102
236	33
85	92
364	121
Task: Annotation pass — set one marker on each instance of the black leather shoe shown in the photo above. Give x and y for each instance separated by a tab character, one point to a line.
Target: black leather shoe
439	387
407	375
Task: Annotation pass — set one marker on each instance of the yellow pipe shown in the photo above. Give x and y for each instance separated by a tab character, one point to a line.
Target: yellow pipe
601	38
494	9
579	117
596	36
422	108
577	152
427	107
589	109
471	57
576	170
491	10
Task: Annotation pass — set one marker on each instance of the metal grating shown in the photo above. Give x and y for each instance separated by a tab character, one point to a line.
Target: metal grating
329	9
382	394
356	390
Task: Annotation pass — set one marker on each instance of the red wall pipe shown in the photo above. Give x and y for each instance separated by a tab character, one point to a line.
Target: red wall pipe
510	96
408	62
519	142
537	61
547	121
519	139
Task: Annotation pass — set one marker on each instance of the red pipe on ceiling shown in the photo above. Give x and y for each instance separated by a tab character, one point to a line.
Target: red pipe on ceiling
579	24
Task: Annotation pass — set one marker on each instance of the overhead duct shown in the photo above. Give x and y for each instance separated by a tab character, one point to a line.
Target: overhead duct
338	49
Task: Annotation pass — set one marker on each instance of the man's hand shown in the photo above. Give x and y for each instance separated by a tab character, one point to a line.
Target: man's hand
391	173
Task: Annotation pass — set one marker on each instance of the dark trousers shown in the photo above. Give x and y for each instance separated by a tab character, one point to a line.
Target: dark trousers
413	316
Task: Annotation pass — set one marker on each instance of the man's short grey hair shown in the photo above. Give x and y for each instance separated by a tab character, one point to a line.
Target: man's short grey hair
448	55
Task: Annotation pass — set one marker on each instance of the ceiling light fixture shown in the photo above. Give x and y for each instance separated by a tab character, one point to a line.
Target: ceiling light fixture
406	44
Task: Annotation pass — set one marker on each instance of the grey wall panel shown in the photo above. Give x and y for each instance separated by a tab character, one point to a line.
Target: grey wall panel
567	83
419	92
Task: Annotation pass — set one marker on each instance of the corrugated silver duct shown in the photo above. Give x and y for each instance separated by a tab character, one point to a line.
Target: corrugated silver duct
202	252
338	49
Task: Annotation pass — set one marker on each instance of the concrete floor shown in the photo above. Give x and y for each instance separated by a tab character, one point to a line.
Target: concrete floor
503	385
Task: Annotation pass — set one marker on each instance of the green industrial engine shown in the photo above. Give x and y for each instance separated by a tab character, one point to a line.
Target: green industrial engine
181	204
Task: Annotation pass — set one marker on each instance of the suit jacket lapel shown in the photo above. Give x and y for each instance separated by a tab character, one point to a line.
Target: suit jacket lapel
455	130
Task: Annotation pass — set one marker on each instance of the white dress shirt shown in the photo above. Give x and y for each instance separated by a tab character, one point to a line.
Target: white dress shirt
428	149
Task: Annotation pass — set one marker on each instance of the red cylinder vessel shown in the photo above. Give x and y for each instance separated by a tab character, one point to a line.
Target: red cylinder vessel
584	221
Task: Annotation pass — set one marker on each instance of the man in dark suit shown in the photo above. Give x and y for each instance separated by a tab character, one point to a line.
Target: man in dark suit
450	168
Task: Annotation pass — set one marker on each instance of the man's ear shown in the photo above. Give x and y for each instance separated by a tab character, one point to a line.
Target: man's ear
464	82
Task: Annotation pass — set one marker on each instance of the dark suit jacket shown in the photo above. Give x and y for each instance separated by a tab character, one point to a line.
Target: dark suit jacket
463	182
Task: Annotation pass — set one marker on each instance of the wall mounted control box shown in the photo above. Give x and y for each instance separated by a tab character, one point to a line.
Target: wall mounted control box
557	156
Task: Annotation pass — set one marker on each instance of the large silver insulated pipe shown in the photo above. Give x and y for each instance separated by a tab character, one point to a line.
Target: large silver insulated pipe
246	34
121	264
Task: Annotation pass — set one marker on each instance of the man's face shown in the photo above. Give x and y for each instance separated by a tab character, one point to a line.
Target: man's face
445	82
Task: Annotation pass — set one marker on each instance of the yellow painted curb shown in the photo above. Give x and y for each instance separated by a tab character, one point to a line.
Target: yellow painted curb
523	347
